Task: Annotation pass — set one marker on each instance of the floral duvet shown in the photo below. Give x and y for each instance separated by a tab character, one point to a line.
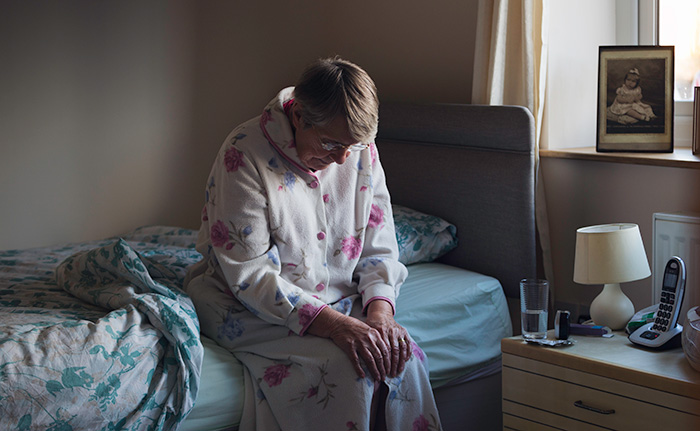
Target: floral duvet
98	335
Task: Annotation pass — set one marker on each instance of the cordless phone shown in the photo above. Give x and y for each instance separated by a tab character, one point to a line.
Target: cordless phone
665	331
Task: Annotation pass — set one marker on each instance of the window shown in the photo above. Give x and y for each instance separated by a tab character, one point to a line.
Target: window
674	23
678	25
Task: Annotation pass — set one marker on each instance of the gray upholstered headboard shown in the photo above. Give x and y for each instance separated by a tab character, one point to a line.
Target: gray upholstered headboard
474	166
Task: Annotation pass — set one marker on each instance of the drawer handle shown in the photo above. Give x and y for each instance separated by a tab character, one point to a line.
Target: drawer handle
580	404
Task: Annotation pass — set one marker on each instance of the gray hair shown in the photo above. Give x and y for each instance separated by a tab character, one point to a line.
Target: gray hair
332	86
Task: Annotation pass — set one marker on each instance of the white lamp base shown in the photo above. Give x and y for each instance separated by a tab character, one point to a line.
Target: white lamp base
612	308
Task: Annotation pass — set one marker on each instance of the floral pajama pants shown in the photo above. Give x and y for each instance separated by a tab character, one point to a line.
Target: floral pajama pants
306	382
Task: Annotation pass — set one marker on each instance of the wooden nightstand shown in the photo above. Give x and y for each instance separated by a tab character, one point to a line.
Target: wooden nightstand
598	383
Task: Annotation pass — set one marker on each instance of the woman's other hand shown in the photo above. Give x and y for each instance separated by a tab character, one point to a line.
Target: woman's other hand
380	316
356	339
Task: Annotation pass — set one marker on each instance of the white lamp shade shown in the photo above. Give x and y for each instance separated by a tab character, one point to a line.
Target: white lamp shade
610	253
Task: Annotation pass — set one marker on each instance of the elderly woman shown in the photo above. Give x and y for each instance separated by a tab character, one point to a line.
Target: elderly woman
300	273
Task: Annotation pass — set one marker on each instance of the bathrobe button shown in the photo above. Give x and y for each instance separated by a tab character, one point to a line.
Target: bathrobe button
313	184
320	287
321	236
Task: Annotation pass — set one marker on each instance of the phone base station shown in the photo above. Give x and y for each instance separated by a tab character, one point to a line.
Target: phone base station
648	337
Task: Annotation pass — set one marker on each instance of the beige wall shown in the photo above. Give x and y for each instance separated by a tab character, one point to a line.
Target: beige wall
96	116
111	112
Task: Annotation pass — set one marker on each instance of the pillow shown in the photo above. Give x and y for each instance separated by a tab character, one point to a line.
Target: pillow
422	237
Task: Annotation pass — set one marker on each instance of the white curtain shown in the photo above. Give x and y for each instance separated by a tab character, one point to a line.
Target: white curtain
510	68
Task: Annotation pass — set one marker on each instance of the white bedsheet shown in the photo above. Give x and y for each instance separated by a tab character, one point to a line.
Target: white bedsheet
219	404
458	318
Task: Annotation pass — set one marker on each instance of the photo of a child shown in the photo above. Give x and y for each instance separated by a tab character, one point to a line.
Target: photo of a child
635	96
628	108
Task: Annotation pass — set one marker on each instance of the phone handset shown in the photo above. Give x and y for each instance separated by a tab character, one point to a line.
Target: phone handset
665	326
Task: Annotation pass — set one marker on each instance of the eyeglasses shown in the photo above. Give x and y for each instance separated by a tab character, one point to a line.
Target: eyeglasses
335	146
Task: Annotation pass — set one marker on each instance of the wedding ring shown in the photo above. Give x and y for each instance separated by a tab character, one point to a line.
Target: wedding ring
401	340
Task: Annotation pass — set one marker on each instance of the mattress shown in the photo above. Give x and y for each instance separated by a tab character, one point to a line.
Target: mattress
219	404
457	317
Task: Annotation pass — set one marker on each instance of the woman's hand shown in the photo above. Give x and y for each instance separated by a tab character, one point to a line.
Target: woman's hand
356	339
380	316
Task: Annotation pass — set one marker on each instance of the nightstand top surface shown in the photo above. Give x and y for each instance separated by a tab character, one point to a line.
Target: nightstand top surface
616	358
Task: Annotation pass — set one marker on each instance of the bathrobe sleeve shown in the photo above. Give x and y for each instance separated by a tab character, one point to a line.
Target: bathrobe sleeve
379	271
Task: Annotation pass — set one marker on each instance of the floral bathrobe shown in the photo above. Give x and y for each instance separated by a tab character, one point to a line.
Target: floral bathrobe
280	243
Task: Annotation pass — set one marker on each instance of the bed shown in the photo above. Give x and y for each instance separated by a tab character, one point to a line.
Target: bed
98	335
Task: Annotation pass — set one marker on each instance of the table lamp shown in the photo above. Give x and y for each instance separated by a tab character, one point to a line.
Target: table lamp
610	254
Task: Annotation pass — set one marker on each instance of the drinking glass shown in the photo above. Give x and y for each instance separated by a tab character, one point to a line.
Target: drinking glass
533	307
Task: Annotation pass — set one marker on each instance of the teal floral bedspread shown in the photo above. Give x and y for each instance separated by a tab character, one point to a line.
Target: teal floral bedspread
99	335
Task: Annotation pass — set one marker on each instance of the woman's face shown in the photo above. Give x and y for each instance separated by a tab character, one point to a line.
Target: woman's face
308	141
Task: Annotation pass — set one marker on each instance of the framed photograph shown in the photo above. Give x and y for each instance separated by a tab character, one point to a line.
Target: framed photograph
635	99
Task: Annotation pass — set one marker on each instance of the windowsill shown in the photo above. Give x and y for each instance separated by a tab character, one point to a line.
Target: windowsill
681	157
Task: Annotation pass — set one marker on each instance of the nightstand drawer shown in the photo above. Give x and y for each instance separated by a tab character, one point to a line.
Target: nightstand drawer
514	418
591	404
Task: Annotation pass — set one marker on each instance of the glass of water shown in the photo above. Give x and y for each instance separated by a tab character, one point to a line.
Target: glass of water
534	295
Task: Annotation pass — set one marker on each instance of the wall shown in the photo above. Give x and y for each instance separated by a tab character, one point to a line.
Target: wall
94	118
572	70
112	112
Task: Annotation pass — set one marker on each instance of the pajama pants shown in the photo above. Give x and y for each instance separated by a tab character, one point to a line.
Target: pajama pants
306	382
